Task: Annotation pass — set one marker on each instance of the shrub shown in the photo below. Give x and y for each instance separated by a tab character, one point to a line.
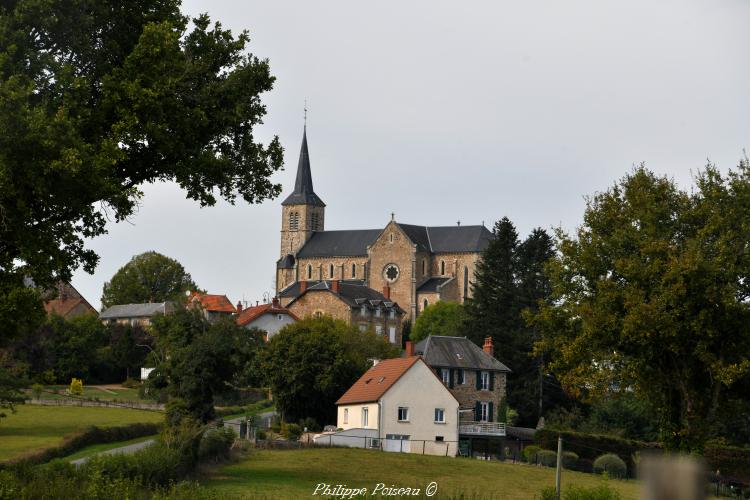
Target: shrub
310	424
156	465
569	459
530	453
547	458
131	383
216	444
76	387
602	492
291	431
36	390
613	465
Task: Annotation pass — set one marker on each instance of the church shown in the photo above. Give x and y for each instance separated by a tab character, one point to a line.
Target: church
404	267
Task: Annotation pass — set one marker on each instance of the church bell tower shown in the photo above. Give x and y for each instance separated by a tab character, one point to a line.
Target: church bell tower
302	212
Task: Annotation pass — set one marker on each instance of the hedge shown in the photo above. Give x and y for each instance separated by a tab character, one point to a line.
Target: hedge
87	437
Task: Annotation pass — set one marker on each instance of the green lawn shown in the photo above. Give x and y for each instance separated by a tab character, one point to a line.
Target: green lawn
107	393
98	448
295	474
33	428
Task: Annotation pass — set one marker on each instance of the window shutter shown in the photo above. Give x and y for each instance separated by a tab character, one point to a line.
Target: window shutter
491	413
479	379
492	381
451	378
477	411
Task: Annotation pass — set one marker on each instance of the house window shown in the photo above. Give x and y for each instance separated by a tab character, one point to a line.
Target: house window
392	334
354	270
392	314
365	417
330	270
485	384
391	237
377	312
439	438
346	415
403	414
484	412
442	267
362	327
445	374
363	311
318	314
379	329
466	282
439	415
279	317
425	304
461	378
309	271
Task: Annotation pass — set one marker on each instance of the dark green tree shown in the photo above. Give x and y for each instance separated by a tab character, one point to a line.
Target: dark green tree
651	295
310	364
198	360
98	97
148	277
440	318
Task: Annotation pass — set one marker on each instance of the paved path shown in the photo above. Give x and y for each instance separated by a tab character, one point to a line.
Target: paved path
131	448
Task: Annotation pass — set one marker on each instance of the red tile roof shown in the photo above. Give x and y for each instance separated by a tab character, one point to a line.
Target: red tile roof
252	313
209	302
377	380
67	300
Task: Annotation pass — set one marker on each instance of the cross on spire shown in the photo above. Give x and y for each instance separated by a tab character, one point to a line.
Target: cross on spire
305	112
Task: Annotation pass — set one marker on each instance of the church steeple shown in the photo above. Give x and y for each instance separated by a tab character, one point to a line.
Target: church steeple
303	193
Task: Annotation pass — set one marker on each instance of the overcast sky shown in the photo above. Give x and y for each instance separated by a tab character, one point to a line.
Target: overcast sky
445	111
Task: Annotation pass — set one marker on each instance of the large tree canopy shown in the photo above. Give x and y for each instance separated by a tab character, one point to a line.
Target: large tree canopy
441	318
148	277
651	295
100	96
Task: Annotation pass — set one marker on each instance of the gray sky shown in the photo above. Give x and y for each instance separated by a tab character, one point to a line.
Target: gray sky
444	111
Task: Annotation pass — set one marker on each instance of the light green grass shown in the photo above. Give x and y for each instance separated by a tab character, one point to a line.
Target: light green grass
91	392
98	448
251	412
295	473
33	428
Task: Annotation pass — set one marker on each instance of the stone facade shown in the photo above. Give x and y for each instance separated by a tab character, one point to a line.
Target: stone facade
468	395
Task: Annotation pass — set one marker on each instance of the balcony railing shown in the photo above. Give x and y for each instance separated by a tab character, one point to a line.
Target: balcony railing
482	428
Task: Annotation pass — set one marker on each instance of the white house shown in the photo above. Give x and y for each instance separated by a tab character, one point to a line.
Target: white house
270	317
407	406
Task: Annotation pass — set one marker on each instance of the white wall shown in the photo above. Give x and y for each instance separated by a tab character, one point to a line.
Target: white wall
271	323
355	416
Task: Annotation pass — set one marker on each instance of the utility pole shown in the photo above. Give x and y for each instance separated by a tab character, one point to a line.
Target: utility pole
558	472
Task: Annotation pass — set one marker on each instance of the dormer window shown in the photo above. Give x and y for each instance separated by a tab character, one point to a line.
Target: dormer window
377	312
363	311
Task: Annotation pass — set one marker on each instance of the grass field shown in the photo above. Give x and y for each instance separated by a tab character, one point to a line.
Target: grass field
295	474
104	393
98	448
33	428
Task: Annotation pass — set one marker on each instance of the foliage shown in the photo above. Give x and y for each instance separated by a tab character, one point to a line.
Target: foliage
548	458
36	390
509	279
569	459
311	363
291	431
10	391
530	453
440	318
310	424
216	444
201	359
148	277
76	387
601	492
612	464
651	295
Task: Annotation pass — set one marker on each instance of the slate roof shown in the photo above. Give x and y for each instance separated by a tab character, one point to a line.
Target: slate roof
293	289
348	243
286	262
433	284
303	193
136	310
353	292
456	352
444	239
377	380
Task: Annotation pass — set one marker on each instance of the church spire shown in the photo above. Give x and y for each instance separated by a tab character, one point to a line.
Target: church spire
303	193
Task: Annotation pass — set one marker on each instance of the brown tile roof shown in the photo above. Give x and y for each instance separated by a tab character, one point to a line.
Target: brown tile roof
209	302
252	313
377	380
66	302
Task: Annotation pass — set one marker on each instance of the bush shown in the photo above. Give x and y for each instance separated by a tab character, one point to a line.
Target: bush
602	492
569	459
291	431
216	444
36	390
131	383
260	434
310	424
547	458
613	465
530	453
76	387
156	465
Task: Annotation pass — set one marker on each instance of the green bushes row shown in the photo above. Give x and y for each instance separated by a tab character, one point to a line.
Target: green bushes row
89	436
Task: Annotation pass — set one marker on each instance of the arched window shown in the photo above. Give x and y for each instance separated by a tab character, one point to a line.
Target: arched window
330	270
309	271
442	267
466	282
425	304
354	270
293	221
391	237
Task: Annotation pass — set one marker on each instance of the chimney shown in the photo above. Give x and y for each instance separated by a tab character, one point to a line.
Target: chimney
409	349
387	292
488	347
239	306
302	286
335	286
275	302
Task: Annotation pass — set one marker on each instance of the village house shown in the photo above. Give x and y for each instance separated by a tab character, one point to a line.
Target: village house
351	301
270	317
213	306
67	302
398	405
478	382
135	314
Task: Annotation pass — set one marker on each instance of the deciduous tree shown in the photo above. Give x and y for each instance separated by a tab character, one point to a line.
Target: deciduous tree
440	318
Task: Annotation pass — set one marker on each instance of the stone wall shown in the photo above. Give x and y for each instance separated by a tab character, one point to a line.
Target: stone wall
322	302
467	394
394	247
342	268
